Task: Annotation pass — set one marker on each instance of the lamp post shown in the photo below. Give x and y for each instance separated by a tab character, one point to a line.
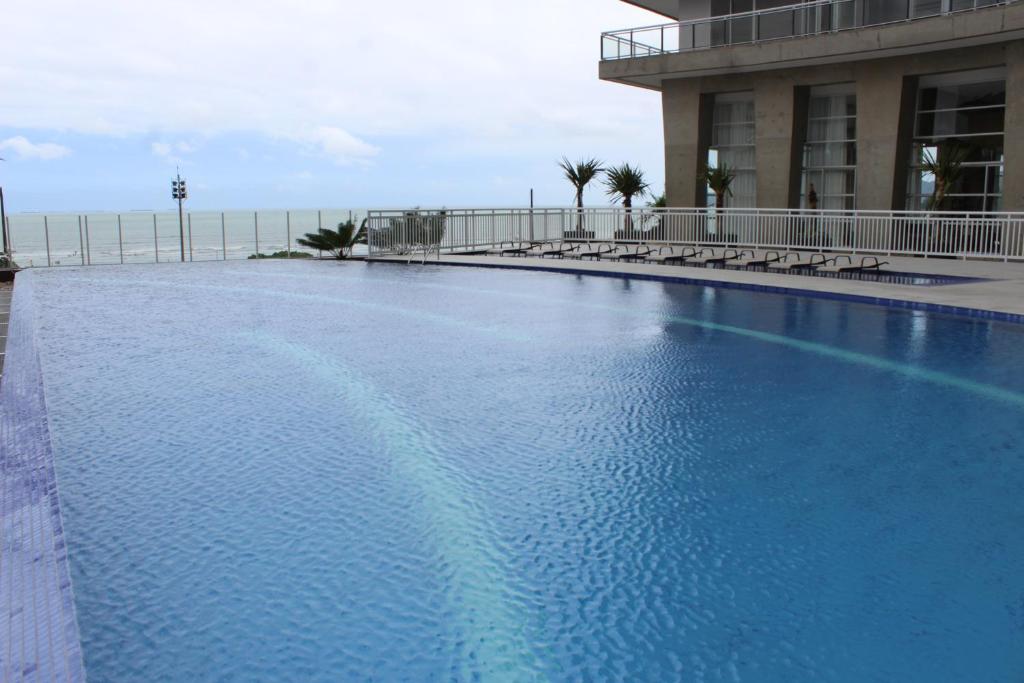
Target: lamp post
179	192
3	226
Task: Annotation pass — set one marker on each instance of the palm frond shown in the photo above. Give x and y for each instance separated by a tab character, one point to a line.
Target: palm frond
337	242
580	174
719	178
946	165
624	182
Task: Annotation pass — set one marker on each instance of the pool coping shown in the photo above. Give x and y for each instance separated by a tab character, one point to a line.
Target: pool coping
907	304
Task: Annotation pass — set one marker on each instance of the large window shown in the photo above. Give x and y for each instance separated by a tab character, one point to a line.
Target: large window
957	158
830	152
732	144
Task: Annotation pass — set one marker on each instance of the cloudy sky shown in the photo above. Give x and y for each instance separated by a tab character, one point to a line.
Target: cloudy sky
311	103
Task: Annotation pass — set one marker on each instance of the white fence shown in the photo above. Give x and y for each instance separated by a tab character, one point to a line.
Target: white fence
948	234
68	239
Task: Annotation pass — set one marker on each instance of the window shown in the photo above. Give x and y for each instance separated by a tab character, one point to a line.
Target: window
830	150
957	158
732	143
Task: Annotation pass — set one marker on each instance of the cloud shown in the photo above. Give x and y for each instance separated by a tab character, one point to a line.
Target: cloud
172	152
522	73
338	145
26	149
161	149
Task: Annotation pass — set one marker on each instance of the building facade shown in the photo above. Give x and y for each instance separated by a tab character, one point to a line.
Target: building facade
836	104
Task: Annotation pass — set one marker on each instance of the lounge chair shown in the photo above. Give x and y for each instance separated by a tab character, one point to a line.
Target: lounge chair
559	250
706	256
738	256
624	254
592	251
843	263
755	260
669	254
510	248
796	261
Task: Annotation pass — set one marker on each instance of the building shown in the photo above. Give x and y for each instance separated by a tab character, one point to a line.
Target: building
850	96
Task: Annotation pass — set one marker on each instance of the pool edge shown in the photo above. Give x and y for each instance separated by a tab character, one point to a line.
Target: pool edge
40	626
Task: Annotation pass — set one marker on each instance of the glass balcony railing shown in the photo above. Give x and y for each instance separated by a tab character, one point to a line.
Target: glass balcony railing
791	21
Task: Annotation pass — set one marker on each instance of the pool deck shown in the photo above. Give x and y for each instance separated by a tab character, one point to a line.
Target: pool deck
999	295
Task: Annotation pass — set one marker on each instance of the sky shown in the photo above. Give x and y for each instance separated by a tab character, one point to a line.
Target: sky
312	103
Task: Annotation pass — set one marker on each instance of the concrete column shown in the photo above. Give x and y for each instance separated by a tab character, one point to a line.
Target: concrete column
885	105
774	135
687	122
1013	144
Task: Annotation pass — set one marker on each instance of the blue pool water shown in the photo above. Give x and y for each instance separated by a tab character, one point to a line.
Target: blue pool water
347	472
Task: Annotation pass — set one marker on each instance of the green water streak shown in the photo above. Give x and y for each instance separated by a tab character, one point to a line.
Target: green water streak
497	638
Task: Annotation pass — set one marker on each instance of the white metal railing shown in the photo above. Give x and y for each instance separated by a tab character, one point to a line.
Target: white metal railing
791	21
912	233
70	239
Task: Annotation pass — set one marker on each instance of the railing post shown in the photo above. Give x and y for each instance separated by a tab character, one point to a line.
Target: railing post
88	248
256	230
120	239
46	234
288	233
156	241
81	241
223	236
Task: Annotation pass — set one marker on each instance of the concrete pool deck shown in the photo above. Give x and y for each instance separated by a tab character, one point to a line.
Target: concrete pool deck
999	293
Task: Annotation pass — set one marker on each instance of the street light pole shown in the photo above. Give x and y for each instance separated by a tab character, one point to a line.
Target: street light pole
180	192
3	225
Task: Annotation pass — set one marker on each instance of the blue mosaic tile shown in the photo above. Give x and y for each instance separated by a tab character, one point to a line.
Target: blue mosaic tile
39	638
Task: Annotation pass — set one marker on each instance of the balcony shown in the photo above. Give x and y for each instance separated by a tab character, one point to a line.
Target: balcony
779	23
822	34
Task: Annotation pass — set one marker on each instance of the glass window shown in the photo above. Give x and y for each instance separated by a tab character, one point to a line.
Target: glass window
884	11
732	143
830	152
957	159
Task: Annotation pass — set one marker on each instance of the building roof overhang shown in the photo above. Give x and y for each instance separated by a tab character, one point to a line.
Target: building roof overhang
667	8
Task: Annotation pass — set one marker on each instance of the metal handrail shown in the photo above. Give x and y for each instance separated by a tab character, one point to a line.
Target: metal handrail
636	47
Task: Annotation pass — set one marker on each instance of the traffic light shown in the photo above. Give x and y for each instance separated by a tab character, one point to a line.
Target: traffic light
178	190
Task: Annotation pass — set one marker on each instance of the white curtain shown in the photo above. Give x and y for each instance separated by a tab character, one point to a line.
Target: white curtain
829	159
733	140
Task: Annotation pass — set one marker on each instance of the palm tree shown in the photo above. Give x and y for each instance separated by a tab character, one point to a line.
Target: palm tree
946	165
623	183
580	174
338	243
719	178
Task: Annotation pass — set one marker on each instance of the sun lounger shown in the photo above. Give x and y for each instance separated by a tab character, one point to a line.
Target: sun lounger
755	260
670	255
560	250
843	263
794	261
624	254
510	249
592	251
707	256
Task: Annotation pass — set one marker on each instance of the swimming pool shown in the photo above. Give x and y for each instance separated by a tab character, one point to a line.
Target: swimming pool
322	472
